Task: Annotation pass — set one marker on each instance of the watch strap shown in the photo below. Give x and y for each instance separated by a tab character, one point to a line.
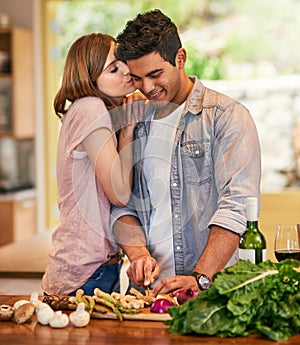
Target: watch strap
200	276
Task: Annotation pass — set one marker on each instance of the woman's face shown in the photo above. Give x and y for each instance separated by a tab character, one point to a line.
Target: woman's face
115	80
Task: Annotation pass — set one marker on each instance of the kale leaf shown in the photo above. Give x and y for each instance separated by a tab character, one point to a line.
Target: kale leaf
245	299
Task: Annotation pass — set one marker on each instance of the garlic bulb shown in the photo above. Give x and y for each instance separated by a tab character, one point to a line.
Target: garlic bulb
44	313
34	299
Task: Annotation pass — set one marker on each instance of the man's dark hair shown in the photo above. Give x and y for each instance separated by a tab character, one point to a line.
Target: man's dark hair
146	33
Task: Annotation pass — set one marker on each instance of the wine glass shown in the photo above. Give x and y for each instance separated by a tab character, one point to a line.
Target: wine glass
287	242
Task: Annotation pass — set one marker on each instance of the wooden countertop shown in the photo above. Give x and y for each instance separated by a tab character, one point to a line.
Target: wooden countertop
112	332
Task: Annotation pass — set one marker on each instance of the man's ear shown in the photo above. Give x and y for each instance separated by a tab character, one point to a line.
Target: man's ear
181	57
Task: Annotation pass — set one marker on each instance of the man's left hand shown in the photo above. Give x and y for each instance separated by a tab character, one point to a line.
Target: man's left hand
172	284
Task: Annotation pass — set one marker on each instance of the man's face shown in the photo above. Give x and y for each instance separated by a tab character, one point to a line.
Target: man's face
156	78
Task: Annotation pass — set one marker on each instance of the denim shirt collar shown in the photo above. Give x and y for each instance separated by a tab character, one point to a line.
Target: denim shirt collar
194	103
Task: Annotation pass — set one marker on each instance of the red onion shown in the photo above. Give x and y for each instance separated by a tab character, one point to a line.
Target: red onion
160	305
184	295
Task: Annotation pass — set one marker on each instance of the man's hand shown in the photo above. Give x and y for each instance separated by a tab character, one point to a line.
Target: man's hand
174	283
143	270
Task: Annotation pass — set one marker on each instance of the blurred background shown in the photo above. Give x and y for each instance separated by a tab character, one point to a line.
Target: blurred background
246	49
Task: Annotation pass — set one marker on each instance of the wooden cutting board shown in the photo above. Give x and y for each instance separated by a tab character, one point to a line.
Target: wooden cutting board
144	315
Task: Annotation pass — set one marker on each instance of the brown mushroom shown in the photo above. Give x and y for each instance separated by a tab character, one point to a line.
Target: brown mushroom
6	312
24	313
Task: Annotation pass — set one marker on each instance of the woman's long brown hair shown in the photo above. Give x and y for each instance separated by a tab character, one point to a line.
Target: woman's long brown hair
84	63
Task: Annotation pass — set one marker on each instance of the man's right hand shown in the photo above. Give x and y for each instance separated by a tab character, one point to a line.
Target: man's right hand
143	271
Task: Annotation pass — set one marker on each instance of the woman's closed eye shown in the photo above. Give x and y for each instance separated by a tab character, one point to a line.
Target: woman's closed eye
114	69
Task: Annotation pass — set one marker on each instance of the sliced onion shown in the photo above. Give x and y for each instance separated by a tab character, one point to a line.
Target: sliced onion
160	305
184	295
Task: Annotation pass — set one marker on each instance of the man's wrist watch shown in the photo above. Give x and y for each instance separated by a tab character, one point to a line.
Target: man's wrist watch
202	280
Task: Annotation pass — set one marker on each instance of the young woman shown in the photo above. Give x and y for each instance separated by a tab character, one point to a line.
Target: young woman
93	170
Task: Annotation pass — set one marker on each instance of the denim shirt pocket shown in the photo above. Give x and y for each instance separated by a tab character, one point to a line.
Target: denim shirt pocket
196	162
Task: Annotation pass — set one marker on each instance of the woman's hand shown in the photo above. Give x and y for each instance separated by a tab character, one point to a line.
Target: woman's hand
134	108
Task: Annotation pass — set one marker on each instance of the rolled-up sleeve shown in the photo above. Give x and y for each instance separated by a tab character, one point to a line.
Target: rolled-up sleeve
237	158
118	212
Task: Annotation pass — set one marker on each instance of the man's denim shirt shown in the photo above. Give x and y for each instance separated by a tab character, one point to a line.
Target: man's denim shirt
216	165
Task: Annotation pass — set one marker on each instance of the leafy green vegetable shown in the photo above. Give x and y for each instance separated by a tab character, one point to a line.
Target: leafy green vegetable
245	299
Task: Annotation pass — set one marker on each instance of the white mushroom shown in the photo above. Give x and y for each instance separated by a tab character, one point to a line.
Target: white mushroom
19	303
44	313
80	317
59	320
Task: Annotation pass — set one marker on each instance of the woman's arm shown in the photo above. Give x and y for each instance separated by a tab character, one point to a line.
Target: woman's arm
112	166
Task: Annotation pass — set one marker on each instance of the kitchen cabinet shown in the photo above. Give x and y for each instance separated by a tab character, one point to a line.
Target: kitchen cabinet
17	134
16	83
17	216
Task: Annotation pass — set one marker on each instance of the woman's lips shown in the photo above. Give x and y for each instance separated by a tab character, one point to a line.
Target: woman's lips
130	81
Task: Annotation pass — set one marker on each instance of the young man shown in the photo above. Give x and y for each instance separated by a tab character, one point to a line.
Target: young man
197	159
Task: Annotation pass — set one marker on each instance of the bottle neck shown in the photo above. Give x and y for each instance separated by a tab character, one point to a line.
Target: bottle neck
252	225
251	209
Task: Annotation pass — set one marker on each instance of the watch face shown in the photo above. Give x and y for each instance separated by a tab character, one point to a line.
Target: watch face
204	282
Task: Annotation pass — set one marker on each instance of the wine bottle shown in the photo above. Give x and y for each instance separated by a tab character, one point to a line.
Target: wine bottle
252	243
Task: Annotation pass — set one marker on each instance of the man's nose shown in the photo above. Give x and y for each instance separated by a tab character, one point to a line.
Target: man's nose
147	86
125	69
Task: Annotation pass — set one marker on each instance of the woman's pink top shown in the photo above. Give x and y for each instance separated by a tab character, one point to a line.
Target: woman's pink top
82	241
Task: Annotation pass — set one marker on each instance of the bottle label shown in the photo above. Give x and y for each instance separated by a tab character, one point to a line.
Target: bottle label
264	255
249	254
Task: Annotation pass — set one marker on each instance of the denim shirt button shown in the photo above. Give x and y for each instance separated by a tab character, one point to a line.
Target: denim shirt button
178	247
174	184
176	216
141	129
